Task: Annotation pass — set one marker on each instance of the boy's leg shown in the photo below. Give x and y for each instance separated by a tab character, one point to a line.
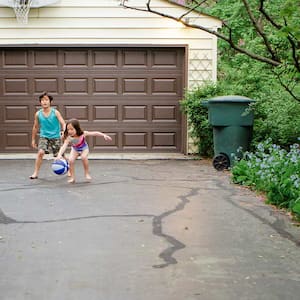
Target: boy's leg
55	145
42	148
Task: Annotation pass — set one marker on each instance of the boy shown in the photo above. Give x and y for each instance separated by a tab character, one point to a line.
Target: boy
50	123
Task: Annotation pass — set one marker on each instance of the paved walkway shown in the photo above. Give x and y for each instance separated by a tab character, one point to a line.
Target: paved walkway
142	229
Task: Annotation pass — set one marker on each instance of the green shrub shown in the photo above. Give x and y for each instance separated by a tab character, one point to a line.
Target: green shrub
277	118
197	116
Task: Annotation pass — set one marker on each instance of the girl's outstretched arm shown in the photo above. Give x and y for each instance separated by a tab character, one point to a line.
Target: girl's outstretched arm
97	133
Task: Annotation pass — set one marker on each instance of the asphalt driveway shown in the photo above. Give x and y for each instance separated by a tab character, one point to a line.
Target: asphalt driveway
141	230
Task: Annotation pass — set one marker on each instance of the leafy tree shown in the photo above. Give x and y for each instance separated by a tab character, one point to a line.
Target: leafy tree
266	31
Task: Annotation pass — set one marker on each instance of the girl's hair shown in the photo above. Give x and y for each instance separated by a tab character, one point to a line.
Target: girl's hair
75	123
45	94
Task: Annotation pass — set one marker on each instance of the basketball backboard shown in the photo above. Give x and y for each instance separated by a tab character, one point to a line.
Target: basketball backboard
34	3
22	7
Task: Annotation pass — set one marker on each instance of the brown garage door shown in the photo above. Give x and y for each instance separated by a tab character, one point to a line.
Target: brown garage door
130	93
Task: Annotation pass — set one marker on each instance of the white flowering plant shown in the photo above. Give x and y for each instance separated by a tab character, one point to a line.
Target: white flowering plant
274	171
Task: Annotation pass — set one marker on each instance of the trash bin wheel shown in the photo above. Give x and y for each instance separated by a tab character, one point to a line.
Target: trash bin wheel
221	162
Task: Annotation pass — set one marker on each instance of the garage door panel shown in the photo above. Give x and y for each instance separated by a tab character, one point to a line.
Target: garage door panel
134	113
105	113
16	141
105	58
16	114
165	86
13	86
105	86
134	58
164	140
138	141
165	58
134	86
134	139
24	84
45	84
80	112
164	113
99	142
15	58
152	114
132	94
75	58
75	86
46	58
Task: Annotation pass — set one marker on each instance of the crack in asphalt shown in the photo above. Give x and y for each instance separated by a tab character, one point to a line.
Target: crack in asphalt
167	254
277	225
157	229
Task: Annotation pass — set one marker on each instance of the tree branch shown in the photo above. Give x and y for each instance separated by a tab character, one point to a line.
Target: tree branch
192	8
264	13
229	39
290	37
286	86
287	83
260	31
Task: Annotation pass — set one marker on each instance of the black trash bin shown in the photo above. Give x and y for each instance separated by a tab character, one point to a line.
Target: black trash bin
232	122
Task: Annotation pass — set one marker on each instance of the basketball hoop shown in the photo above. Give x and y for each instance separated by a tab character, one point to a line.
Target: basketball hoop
21	9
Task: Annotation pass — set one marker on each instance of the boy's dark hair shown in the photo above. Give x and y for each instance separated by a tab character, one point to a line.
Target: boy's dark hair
75	123
45	94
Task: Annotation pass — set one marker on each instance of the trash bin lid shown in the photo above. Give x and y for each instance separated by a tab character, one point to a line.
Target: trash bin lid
230	98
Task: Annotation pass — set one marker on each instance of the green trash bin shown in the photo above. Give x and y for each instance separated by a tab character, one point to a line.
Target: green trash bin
232	123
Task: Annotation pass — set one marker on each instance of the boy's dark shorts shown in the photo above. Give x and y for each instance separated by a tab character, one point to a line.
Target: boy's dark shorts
49	145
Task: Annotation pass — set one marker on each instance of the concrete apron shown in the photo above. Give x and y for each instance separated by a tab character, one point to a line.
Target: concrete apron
130	156
141	230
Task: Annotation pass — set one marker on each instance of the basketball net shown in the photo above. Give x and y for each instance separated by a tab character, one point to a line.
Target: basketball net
21	8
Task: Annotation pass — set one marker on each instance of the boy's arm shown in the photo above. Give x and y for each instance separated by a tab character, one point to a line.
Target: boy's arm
97	133
61	120
35	129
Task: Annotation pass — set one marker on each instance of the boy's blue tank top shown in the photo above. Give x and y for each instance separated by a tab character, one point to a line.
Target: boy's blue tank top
49	126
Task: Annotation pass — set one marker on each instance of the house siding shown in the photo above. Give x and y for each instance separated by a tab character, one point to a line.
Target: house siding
106	22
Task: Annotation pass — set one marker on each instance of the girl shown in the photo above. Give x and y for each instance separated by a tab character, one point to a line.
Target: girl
76	137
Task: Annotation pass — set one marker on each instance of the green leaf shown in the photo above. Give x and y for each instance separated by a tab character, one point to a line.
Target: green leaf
296	208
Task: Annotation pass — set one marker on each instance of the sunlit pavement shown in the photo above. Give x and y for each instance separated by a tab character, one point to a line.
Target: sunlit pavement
154	229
